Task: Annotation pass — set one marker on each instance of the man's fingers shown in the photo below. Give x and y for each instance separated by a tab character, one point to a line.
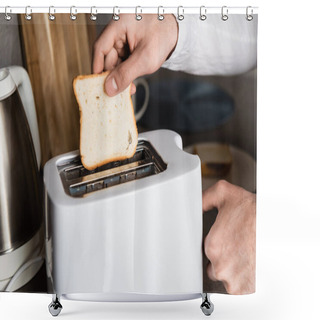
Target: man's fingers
111	59
124	73
213	197
98	61
102	47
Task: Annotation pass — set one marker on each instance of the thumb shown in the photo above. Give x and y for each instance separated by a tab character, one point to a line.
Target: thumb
123	74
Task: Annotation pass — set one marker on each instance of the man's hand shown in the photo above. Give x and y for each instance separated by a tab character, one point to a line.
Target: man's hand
132	48
230	244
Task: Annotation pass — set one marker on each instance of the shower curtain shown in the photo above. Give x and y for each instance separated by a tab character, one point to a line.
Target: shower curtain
198	78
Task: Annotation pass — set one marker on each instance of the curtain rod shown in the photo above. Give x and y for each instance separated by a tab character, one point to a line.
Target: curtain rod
28	10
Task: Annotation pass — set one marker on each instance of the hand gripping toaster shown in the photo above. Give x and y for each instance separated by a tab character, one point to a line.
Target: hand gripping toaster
127	231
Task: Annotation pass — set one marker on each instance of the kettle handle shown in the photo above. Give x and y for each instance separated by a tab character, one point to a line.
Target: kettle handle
22	81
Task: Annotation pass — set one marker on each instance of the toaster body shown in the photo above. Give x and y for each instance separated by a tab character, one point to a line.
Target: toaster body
129	231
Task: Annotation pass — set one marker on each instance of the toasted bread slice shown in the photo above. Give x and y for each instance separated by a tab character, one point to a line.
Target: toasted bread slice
108	130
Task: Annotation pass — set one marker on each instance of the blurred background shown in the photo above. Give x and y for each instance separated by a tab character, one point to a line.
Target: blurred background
55	52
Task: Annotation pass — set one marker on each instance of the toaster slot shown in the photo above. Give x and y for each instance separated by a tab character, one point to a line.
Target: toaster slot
78	170
78	181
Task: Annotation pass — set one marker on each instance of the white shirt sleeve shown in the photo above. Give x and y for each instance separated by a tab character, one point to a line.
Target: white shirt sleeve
214	46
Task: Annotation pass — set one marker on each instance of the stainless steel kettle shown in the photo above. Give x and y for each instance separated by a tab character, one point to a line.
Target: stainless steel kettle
20	194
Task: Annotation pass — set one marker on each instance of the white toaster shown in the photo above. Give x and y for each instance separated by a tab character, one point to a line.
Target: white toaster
127	231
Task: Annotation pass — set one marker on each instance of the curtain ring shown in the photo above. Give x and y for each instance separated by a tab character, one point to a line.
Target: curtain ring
116	16
249	17
203	13
28	13
224	13
138	16
6	14
73	15
180	13
160	16
52	10
93	16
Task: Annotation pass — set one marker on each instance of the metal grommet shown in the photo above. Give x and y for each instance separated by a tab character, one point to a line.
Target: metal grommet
203	13
249	17
73	15
138	16
224	13
93	16
116	16
6	14
160	16
52	10
180	13
28	13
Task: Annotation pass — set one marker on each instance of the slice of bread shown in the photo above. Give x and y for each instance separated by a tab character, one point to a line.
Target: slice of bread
108	130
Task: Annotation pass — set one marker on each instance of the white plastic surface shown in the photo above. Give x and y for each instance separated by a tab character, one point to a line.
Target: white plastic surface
140	237
22	81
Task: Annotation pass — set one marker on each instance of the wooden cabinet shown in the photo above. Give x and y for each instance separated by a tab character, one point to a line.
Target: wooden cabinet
55	52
